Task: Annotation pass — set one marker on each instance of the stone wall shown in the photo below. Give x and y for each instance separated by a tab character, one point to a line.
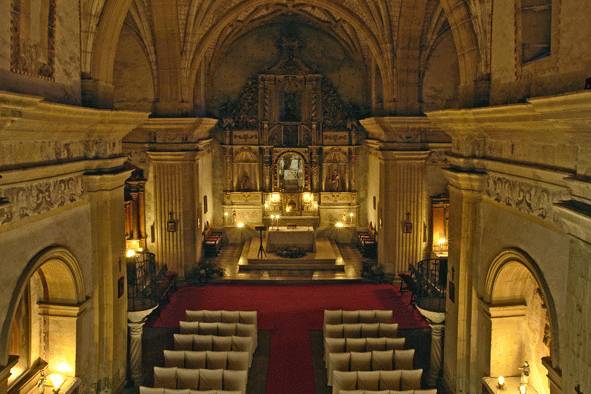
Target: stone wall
132	76
59	81
441	79
257	50
565	69
516	184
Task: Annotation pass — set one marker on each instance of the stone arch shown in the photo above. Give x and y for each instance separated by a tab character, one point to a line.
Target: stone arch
63	284
98	86
466	43
505	283
192	64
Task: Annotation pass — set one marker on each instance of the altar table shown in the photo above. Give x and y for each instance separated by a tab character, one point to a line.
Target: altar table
302	237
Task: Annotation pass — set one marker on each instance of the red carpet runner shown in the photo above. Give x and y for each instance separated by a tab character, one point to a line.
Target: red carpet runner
290	312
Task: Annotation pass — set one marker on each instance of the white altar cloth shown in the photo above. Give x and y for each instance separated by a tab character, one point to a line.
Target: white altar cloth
302	237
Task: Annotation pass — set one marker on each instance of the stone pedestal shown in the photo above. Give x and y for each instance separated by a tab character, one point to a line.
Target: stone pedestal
403	209
437	331
175	177
135	323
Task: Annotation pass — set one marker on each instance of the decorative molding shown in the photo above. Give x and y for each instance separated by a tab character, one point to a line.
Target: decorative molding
23	201
527	198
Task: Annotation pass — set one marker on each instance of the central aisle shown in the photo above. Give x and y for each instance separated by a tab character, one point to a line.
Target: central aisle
289	312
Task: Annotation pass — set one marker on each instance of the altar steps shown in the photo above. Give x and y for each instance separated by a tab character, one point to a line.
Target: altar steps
298	267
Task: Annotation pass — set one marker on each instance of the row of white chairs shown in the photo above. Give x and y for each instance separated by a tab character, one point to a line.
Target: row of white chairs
234	361
384	360
220	329
377	380
212	354
200	379
361	330
345	345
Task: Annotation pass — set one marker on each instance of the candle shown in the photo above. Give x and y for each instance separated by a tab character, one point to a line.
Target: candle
501	382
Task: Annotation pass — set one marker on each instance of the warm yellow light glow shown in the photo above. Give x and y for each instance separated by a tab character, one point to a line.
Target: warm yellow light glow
240	225
288	209
351	214
442	241
64	368
501	381
266	205
140	249
56	380
522	389
315	205
277	217
307	197
275	197
15	372
225	213
130	253
339	225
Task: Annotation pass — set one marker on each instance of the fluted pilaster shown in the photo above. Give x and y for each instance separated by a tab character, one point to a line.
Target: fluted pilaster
403	203
175	200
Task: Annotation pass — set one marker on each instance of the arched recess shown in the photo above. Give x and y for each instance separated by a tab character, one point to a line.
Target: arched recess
523	320
133	79
98	86
195	56
466	43
55	278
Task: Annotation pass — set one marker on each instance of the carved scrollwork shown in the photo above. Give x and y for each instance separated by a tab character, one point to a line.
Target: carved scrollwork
527	198
19	202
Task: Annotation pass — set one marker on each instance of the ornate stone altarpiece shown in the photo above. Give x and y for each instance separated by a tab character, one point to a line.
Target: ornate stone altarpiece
288	139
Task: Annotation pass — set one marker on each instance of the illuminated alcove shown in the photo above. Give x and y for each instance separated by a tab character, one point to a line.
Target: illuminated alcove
521	318
46	310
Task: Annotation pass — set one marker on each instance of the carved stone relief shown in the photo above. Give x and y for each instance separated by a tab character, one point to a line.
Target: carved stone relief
527	198
19	202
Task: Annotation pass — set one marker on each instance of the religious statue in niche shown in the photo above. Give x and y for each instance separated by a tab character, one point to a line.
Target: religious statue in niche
290	170
291	107
244	183
334	181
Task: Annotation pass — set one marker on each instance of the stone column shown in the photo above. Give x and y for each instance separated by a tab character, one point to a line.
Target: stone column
575	344
465	195
403	200
107	215
436	364
135	322
175	177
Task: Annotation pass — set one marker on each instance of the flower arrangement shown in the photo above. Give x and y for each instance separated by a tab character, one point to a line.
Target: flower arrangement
205	272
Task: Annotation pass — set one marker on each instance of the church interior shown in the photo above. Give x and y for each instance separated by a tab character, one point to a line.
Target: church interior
295	196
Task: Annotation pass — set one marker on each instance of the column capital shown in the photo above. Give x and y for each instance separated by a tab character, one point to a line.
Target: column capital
173	156
465	181
106	181
410	156
576	218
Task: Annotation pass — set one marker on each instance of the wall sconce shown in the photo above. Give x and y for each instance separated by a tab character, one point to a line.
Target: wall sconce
407	224
171	223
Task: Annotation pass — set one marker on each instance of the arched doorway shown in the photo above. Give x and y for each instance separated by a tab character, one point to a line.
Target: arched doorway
522	319
41	328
